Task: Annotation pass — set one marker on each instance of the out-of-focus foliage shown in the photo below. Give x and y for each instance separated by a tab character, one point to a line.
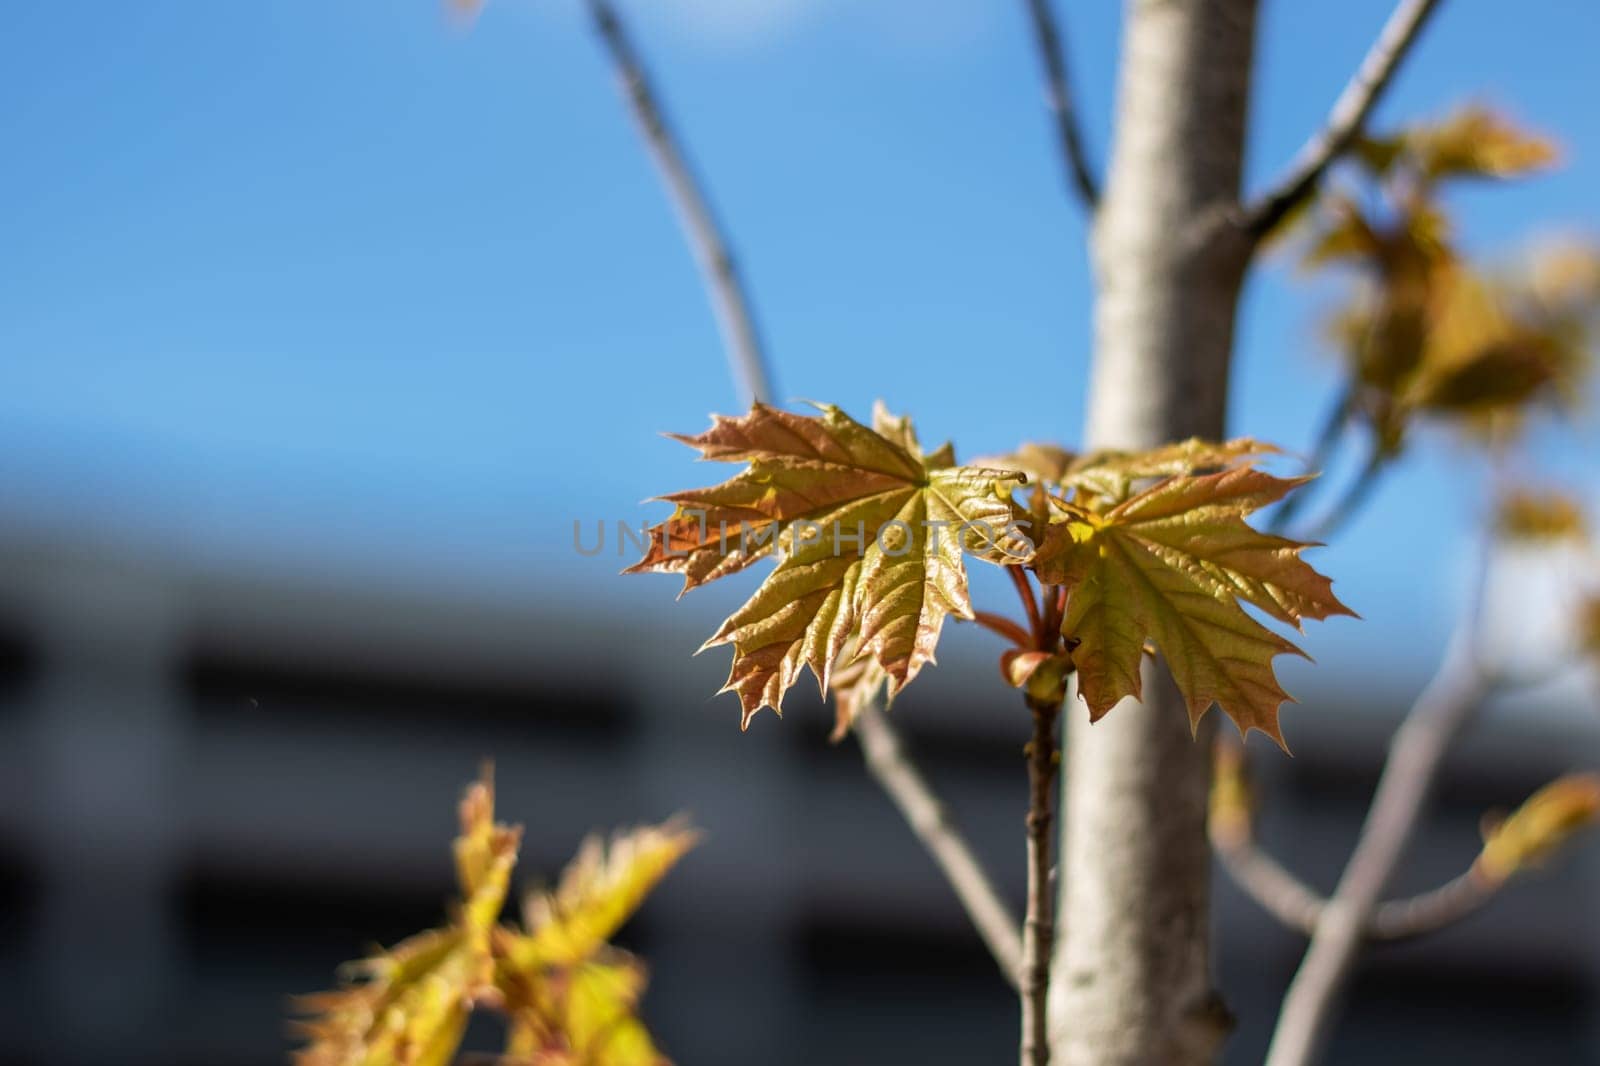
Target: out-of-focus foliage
1426	333
1540	826
568	997
1540	516
1232	799
1146	547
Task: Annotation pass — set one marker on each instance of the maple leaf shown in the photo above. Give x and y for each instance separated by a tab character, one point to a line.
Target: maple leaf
1476	142
871	531
856	680
599	890
570	998
1172	564
408	1006
1427	334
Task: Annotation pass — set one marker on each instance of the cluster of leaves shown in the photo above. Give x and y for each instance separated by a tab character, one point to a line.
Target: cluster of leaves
871	534
568	997
1428	334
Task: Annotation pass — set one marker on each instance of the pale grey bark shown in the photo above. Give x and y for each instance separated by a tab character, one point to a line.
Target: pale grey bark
1132	985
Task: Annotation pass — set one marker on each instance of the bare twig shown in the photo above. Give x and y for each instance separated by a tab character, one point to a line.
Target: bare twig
885	756
1280	893
1427	912
1058	96
705	236
1038	927
930	820
1355	496
1297	907
1415	754
1345	121
1327	438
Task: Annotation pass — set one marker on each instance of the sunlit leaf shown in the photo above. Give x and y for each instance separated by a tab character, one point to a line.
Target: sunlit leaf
1548	819
599	890
1172	564
408	1006
568	996
871	532
1476	142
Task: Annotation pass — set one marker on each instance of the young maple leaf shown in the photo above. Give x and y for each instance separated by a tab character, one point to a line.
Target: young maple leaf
411	1003
570	998
599	890
871	531
1172	563
856	680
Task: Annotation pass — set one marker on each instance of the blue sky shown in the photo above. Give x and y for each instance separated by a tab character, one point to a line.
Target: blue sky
358	288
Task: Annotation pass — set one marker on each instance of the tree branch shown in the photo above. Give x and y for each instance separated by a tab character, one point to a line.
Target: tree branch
1345	121
1058	97
722	279
1427	912
930	820
885	756
1038	928
1317	463
1415	754
1355	496
1299	908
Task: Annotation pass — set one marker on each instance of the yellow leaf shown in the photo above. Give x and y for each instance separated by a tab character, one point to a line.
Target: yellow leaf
856	680
1475	142
409	1005
1540	826
1527	515
599	890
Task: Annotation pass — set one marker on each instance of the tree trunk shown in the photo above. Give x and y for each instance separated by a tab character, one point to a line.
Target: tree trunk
1132	985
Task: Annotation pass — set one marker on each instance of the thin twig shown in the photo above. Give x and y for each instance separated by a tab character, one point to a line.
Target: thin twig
885	756
689	200
1038	927
930	820
1415	755
1297	907
1280	893
1321	453
1427	912
1356	495
1345	121
1058	96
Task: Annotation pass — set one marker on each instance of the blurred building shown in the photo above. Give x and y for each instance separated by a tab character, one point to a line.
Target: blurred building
218	786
